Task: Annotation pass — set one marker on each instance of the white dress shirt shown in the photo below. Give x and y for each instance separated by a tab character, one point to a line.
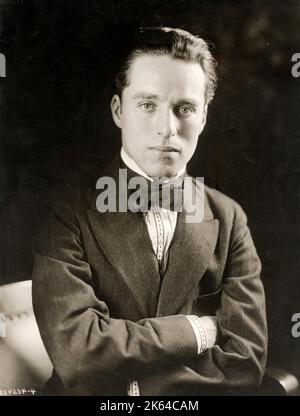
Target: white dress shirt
161	225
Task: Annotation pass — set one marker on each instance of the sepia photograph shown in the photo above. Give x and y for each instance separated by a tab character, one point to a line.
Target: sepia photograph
149	199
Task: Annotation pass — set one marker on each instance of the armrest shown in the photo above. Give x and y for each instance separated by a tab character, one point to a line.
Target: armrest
278	382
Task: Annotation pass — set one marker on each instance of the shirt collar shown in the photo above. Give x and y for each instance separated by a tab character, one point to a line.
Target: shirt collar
134	166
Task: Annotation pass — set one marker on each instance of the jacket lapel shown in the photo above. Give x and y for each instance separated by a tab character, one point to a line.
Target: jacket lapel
189	256
124	239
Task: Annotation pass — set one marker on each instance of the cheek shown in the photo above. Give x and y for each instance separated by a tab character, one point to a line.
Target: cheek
135	123
130	130
190	131
189	135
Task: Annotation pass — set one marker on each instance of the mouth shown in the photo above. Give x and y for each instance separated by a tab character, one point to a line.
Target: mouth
164	149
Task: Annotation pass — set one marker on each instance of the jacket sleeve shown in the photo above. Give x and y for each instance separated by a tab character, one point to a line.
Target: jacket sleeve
80	336
238	359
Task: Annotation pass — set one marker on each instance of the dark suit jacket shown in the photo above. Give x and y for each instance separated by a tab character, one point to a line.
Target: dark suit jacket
105	317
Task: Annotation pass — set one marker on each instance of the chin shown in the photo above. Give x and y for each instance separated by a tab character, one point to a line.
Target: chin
160	171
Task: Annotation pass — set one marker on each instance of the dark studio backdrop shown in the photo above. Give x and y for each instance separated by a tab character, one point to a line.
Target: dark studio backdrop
55	122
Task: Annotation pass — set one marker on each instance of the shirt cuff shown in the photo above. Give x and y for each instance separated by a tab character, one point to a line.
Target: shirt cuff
133	388
199	332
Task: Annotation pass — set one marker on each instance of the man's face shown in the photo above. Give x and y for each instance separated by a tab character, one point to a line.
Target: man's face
162	113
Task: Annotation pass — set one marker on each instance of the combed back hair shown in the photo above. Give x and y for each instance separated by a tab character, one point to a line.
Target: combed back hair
176	43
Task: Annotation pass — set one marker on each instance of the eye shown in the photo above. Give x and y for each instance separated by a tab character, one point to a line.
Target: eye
185	110
147	107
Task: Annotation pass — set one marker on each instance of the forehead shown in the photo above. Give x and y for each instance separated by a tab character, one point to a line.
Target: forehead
164	75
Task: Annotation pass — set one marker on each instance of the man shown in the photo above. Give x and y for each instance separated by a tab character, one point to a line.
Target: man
146	303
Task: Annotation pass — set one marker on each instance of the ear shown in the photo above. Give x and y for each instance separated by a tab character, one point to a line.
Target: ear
204	116
116	110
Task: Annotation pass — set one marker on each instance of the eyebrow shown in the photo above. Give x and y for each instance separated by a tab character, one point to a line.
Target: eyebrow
190	101
149	96
145	96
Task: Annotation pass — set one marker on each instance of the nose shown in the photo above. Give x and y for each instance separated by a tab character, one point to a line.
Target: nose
166	123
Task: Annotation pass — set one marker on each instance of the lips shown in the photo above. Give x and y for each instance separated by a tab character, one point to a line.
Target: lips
167	149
